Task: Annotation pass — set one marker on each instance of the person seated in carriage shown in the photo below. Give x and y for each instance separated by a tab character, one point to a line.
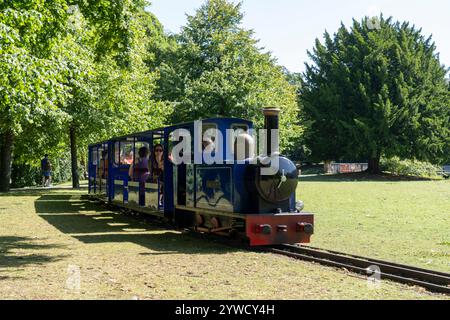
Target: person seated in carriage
126	157
139	171
103	167
157	164
157	169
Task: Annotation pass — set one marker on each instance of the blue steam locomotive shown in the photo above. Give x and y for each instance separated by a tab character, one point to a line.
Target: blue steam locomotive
230	197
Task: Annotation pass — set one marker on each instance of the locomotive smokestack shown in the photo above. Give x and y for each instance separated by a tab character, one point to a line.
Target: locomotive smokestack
272	122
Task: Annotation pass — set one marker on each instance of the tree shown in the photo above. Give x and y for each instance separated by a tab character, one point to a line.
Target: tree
27	92
127	95
76	52
32	84
214	67
106	98
376	91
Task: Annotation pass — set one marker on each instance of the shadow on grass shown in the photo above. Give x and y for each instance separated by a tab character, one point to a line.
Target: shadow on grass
362	177
15	253
90	223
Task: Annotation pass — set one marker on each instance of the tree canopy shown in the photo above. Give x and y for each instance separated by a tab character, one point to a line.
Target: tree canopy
216	68
376	91
74	72
51	71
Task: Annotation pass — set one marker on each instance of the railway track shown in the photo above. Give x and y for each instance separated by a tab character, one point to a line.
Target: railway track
433	281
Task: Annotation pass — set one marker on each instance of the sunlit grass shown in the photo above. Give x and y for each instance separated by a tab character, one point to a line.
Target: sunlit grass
44	234
407	222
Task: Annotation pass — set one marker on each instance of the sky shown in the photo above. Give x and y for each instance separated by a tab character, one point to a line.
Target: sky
288	28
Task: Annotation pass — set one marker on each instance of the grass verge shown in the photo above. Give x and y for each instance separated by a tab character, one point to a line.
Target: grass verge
50	239
402	221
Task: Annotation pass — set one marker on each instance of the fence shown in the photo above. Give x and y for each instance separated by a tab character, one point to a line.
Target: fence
335	168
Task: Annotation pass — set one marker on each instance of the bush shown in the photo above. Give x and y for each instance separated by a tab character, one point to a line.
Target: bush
312	169
62	171
24	175
409	168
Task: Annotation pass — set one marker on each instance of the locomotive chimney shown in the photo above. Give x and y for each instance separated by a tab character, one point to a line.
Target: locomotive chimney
271	122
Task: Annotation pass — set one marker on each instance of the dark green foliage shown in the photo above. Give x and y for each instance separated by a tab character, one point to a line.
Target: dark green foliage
376	91
61	168
24	175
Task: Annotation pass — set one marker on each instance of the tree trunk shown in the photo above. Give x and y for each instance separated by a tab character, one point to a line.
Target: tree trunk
374	165
74	157
83	166
6	149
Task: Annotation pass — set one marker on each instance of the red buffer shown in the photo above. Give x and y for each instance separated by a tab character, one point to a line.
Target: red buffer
279	229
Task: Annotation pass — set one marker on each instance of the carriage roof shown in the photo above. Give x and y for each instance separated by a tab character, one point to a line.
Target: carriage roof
160	131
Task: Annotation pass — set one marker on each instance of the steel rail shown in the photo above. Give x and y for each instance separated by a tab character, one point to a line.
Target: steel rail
434	281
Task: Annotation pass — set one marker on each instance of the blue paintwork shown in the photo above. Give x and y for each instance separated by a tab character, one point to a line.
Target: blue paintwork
216	187
241	196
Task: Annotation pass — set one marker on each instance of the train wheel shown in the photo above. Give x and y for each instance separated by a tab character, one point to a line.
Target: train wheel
199	220
215	223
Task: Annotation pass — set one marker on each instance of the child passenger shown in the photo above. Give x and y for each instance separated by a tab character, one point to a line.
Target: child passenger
139	171
157	170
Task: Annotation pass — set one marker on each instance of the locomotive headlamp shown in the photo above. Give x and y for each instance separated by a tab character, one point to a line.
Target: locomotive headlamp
300	205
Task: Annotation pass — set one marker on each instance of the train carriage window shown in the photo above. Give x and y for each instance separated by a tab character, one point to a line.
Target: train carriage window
117	153
126	152
184	136
94	156
98	162
99	155
138	145
103	162
123	152
209	136
134	172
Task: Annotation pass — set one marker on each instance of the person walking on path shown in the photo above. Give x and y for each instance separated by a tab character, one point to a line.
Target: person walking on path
46	169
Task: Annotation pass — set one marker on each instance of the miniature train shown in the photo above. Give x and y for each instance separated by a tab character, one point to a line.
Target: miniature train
230	197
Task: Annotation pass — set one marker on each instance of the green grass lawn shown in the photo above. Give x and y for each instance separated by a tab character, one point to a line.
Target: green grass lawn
402	221
47	234
69	183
